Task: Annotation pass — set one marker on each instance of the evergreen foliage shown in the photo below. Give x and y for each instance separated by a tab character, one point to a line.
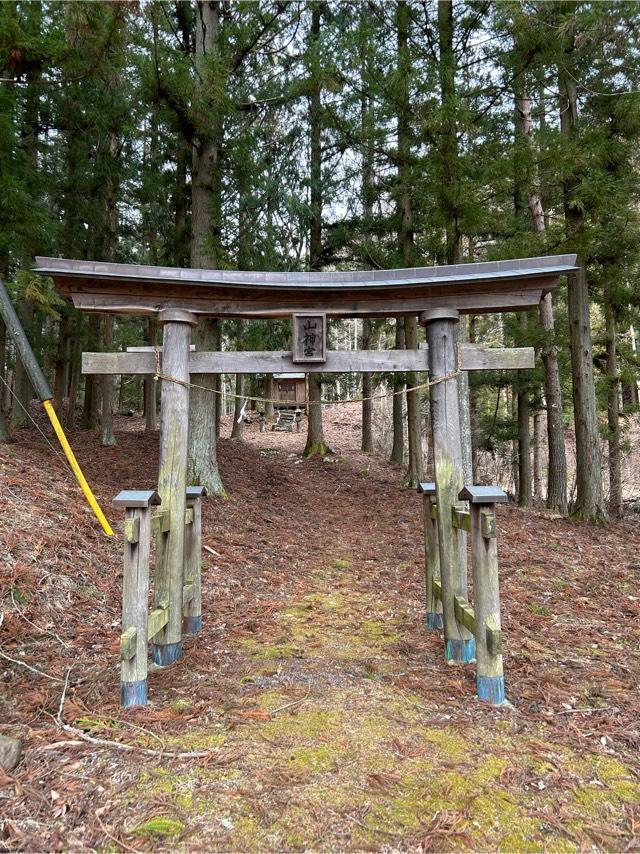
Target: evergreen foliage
331	135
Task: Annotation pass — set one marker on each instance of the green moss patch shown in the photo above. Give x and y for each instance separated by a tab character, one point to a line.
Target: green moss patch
305	725
316	764
315	759
608	782
159	827
450	743
197	739
280	649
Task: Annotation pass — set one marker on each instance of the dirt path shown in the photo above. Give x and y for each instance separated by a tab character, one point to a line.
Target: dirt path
322	713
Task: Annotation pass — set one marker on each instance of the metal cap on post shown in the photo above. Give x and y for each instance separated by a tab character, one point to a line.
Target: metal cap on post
194	492
483	495
426	488
136	498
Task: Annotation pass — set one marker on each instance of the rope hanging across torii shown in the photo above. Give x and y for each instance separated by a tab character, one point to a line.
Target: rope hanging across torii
158	375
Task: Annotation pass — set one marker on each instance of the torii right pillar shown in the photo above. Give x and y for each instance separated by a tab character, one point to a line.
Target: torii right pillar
441	325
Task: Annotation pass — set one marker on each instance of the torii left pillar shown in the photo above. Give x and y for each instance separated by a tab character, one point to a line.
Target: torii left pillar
172	479
444	366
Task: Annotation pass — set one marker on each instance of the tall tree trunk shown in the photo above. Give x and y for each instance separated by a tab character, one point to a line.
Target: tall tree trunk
150	401
61	368
537	458
524	435
367	388
218	385
269	394
4	383
206	216
616	507
315	431
589	498
236	430
108	437
315	126
464	407
30	133
397	448
557	462
110	250
203	461
149	384
74	376
181	253
23	392
92	384
512	402
368	195
67	367
316	445
405	231
448	153
4	428
449	187
473	408
414	420
630	393
524	450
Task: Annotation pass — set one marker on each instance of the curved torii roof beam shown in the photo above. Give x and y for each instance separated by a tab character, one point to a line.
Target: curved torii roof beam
491	286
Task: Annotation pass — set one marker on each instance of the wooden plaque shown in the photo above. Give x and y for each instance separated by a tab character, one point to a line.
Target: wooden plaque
309	337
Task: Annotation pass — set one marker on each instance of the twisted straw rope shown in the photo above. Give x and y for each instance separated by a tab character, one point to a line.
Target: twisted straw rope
158	375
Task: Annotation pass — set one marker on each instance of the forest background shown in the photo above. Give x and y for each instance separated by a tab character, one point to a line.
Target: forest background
339	135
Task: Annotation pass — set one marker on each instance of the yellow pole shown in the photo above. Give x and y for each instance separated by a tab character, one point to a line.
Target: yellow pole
66	447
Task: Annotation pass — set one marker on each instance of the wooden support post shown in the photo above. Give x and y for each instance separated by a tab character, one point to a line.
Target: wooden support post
447	450
431	553
192	608
172	479
486	594
137	505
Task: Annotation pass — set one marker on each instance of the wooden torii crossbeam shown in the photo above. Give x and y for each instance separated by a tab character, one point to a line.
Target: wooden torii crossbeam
492	286
439	295
472	358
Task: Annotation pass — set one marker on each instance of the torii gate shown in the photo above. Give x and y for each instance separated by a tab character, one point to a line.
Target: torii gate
438	295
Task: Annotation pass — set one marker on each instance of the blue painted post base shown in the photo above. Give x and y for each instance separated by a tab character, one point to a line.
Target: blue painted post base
434	621
191	625
460	650
491	689
133	693
166	654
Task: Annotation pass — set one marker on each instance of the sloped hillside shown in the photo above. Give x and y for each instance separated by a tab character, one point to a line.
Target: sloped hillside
314	710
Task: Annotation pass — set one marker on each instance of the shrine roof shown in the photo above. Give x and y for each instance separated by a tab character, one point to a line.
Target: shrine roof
142	289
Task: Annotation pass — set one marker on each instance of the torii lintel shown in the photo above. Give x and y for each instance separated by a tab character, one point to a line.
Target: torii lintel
473	288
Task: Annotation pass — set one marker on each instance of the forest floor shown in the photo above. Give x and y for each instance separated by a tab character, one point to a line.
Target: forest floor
313	711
